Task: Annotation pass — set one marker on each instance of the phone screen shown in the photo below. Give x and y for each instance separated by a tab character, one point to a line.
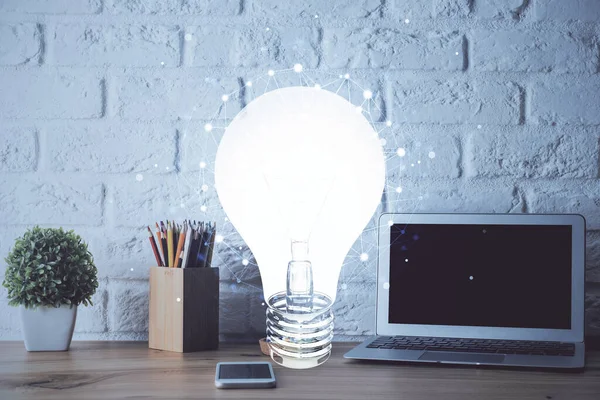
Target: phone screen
244	371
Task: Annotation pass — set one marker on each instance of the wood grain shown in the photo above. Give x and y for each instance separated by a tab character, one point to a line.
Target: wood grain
116	370
165	323
184	309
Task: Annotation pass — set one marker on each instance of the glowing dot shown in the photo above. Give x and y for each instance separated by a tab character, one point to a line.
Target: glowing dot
383	141
245	262
367	94
317	86
432	154
412	165
390	223
224	97
388	123
268	29
401	152
155	165
202	164
316	16
182	205
162	63
131	269
386	285
364	257
297	67
262	304
341	76
218	238
178	299
399	189
188	37
139	177
456	53
249	83
471	278
209	127
204	188
344	286
406	260
270	72
406	21
346	76
203	208
478	126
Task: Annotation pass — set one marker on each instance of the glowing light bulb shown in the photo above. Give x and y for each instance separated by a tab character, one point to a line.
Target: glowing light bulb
287	176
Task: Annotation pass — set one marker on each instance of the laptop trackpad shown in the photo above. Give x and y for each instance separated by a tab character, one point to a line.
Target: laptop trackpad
462	357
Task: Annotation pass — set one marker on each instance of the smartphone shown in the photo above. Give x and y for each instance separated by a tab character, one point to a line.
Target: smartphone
248	375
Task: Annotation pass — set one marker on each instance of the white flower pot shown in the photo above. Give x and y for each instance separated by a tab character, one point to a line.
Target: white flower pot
48	328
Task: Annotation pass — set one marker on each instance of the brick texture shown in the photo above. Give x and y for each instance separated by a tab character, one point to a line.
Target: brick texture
20	44
77	149
578	10
111	112
18	150
419	100
533	153
52	6
393	49
71	96
135	46
253	47
526	50
566	102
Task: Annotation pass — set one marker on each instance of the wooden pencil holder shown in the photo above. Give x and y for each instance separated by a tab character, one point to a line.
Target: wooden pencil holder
184	309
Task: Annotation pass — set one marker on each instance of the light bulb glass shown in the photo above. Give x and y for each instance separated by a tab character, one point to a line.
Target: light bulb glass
299	173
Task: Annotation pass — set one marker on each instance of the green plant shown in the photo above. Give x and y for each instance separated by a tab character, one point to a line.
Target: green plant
50	267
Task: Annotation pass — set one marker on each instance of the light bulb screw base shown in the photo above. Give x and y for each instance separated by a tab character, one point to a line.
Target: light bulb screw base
299	340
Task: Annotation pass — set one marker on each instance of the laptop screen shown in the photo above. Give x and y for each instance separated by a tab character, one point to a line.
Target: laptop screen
516	276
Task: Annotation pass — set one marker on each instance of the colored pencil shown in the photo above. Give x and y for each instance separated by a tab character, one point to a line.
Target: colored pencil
170	245
180	243
164	243
186	247
211	246
154	248
160	245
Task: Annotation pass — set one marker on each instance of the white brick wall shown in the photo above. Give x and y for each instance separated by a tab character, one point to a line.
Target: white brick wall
95	92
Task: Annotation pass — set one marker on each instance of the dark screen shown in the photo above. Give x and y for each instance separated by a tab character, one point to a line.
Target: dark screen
474	275
244	371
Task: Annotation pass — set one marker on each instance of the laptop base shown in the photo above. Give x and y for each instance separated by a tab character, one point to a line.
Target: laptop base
361	352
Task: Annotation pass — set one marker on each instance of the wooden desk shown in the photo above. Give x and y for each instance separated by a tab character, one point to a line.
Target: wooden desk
115	370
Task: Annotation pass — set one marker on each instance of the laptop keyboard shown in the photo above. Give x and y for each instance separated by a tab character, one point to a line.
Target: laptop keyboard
473	345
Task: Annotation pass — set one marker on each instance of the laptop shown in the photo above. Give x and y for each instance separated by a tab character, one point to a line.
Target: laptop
480	289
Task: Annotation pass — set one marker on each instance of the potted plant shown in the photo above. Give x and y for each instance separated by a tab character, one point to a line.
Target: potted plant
49	273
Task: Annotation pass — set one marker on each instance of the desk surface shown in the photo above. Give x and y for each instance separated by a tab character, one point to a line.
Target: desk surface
115	370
